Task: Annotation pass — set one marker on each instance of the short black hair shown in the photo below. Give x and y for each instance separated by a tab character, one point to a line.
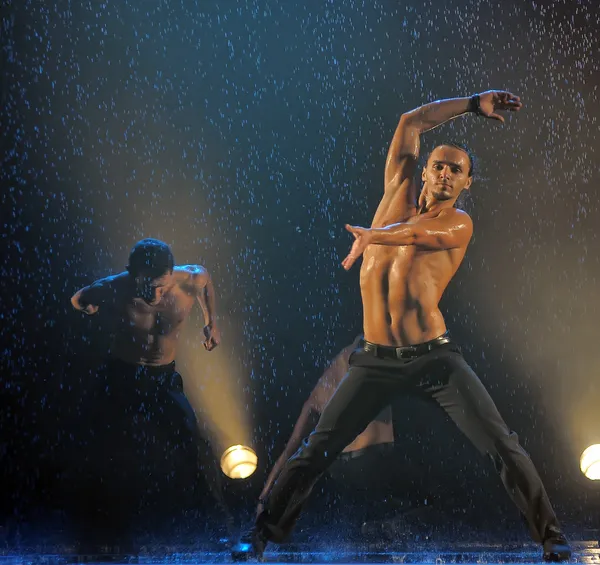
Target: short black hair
462	148
150	256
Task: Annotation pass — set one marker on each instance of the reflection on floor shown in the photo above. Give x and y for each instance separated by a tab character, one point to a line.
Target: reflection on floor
584	552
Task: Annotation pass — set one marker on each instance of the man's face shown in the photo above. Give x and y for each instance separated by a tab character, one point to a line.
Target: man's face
151	288
446	174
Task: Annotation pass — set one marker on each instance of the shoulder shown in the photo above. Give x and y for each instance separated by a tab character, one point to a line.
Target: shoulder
112	281
190	270
457	217
195	275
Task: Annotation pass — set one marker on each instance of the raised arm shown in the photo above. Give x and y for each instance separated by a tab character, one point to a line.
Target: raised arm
400	193
205	293
404	149
89	299
424	118
399	200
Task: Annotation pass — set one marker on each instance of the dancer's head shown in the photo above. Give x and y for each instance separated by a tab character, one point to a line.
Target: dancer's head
448	171
151	266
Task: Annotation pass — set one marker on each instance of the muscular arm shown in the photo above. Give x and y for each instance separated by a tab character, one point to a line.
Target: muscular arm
206	296
449	230
429	116
405	146
89	298
205	293
446	231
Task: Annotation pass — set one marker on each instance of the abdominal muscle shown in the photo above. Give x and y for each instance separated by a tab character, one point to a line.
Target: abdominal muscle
141	348
401	288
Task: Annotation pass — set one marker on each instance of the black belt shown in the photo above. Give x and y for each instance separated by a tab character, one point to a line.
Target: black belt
406	351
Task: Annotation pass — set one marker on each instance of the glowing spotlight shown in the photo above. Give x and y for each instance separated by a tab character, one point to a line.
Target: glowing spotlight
238	462
590	462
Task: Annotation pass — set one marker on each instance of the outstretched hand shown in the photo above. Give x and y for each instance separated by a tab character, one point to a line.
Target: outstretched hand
362	238
493	101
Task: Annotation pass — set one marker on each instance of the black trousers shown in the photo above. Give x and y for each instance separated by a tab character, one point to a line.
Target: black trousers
141	454
443	377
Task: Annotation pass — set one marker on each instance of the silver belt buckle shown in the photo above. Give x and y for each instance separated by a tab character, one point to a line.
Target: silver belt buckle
404	352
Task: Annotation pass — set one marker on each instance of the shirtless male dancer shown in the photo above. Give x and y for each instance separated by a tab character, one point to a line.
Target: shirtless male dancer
139	404
411	253
379	431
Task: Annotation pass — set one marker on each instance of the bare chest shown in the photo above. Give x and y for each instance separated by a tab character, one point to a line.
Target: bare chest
162	319
405	267
380	260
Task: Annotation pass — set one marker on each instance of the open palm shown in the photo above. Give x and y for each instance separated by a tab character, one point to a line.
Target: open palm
361	240
493	101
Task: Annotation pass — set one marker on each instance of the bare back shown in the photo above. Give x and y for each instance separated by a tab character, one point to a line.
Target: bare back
401	286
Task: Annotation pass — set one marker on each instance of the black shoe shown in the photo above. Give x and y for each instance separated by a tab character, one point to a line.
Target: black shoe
556	547
250	547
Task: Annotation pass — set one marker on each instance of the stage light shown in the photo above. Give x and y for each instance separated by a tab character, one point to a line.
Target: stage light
590	462
238	462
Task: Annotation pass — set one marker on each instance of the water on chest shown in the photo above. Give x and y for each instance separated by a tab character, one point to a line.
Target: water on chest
154	320
380	261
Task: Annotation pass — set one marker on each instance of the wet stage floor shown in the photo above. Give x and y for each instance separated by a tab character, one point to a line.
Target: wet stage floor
583	552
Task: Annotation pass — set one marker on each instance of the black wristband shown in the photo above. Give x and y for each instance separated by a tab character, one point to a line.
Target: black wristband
475	105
